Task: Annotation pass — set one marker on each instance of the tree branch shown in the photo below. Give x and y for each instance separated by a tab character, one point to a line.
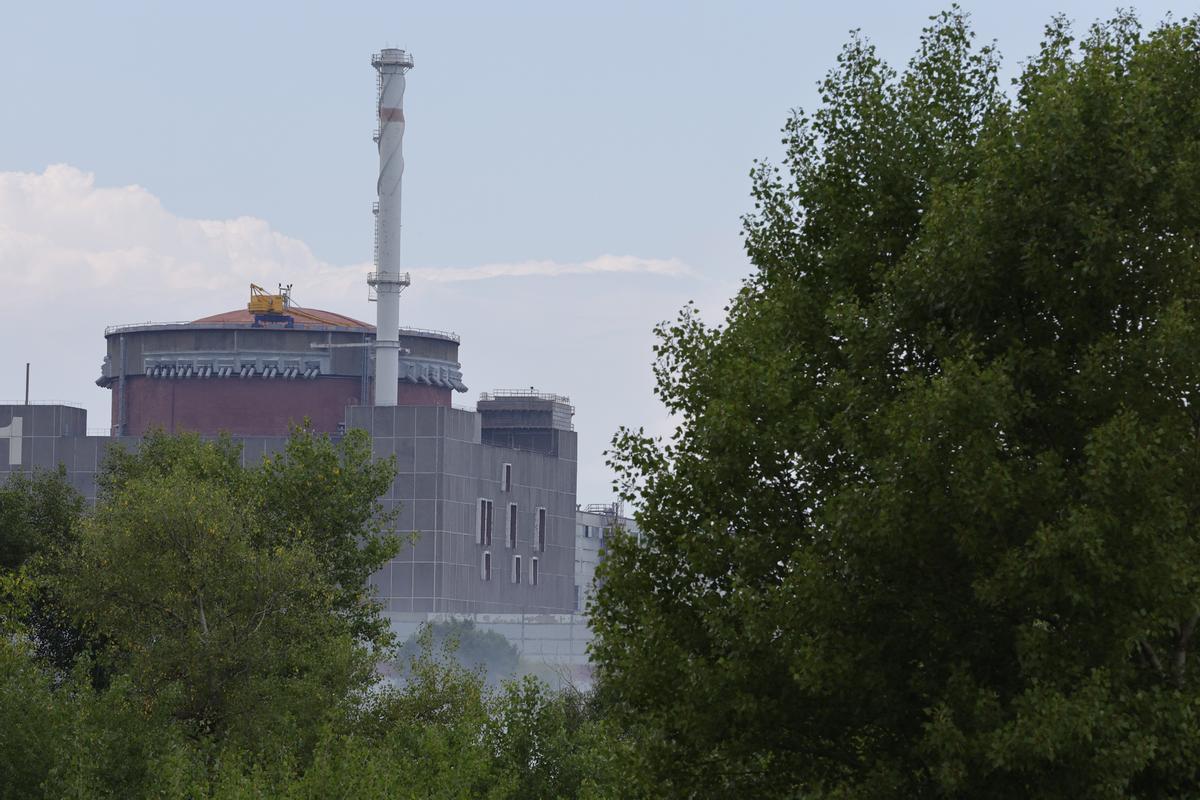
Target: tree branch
203	619
1150	654
1185	637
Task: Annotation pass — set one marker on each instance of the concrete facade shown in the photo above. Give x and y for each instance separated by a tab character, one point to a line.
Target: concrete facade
593	525
444	471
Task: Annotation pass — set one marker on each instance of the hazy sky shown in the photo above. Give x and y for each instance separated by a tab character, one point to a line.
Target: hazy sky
575	172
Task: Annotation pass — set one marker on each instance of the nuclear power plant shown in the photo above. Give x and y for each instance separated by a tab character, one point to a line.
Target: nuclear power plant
258	370
490	492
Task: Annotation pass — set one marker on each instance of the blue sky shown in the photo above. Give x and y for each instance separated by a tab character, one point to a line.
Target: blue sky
213	144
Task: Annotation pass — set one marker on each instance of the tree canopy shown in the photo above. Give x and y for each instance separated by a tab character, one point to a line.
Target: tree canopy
928	524
223	644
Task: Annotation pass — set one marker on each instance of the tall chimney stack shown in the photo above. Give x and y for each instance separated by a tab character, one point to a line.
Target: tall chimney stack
387	280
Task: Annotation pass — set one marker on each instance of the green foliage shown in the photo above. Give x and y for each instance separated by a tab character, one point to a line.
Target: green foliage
39	519
216	462
236	596
319	494
555	744
929	523
326	496
240	635
28	714
231	645
69	741
438	717
443	733
37	515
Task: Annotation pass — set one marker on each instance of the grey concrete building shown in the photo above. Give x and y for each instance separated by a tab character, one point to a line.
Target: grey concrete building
593	524
454	467
494	525
489	494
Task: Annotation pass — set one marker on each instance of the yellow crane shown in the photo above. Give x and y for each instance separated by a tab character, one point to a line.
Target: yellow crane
263	303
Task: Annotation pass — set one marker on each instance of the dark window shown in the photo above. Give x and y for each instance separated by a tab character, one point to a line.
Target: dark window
506	480
485	523
512	524
541	530
516	573
533	572
485	570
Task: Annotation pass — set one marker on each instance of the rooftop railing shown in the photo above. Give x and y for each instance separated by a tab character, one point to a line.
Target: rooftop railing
504	394
311	326
68	403
450	335
316	326
602	508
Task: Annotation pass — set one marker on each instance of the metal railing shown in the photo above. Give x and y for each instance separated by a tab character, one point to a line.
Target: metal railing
375	246
450	335
297	325
111	329
602	508
402	278
68	403
502	394
392	56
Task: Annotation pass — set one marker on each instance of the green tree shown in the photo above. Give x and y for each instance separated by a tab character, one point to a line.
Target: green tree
318	493
39	518
231	634
62	738
223	593
239	650
556	744
928	525
326	497
37	514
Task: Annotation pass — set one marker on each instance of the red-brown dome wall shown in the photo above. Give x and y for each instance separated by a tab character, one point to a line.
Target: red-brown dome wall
250	406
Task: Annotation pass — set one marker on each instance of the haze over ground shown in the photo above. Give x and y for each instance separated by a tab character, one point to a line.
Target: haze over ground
574	173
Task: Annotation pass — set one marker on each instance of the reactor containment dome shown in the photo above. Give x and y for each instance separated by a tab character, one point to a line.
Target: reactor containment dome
259	370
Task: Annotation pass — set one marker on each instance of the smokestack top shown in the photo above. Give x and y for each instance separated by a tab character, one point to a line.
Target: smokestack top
392	57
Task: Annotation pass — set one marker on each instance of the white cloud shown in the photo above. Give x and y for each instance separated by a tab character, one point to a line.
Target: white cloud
603	264
58	226
75	257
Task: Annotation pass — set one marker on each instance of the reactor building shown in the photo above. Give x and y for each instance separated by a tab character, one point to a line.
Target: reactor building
256	372
491	492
